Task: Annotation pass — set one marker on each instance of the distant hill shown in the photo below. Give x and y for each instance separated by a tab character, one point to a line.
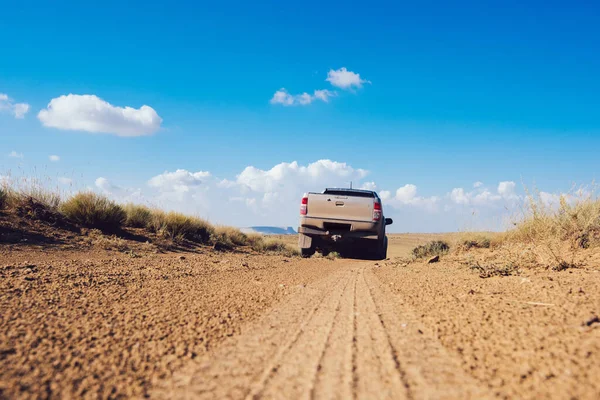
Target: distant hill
270	230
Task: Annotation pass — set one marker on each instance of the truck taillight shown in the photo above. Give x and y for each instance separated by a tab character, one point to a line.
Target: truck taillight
376	210
304	206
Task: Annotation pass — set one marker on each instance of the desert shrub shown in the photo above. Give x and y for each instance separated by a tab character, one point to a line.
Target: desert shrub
94	211
469	241
262	244
576	220
177	226
137	216
433	248
229	236
333	255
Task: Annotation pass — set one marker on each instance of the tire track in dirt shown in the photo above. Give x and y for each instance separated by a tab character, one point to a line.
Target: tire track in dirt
342	337
427	369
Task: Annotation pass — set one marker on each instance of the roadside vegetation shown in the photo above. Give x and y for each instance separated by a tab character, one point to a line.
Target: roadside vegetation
431	249
553	235
103	216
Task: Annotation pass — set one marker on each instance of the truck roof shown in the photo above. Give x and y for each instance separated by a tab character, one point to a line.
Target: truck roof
351	192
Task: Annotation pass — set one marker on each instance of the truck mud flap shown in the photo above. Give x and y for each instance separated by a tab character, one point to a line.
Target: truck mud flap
304	242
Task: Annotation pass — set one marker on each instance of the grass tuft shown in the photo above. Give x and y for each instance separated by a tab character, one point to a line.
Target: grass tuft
137	216
94	211
176	226
229	236
433	248
469	241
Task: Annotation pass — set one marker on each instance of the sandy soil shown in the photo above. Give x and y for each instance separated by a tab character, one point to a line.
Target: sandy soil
104	323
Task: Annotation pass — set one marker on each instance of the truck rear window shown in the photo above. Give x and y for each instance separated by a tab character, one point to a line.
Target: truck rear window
350	193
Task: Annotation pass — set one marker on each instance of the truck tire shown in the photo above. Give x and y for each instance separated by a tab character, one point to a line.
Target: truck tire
382	249
306	253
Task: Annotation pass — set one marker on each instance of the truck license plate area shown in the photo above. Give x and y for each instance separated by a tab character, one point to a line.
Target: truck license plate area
335	227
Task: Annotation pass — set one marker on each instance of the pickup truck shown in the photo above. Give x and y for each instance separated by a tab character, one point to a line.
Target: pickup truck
342	220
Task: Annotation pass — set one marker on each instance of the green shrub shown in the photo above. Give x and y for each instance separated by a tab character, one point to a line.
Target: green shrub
137	216
94	211
433	248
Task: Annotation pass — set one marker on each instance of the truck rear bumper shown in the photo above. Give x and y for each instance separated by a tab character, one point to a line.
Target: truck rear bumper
315	232
343	225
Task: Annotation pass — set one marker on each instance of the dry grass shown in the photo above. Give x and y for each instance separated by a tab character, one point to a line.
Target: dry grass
575	221
548	235
274	246
433	248
176	226
137	216
556	233
474	240
93	210
31	200
95	237
3	198
229	236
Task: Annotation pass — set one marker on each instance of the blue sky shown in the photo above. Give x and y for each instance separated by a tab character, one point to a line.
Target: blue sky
456	94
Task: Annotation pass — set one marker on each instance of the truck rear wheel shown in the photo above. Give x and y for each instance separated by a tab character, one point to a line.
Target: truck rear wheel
306	253
382	249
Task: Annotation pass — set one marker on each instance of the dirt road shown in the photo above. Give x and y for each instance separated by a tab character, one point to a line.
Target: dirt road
205	324
343	337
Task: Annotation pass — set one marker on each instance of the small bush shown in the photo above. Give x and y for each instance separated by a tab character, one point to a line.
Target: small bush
94	211
433	248
137	216
229	236
177	226
333	255
261	244
475	242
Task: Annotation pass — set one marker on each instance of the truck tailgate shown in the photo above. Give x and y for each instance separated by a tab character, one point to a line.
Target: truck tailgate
339	207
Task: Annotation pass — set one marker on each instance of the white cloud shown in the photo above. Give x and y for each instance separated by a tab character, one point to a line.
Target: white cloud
18	110
14	154
385	195
178	181
291	175
65	181
407	196
122	194
481	196
54	158
458	196
506	189
345	79
89	113
478	184
369	186
324	95
406	193
283	97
